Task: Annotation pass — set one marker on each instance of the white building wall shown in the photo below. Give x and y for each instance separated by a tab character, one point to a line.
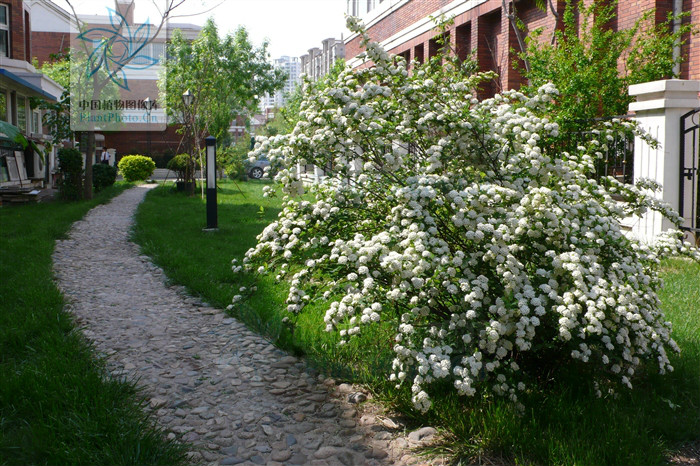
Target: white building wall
319	61
658	109
47	17
291	66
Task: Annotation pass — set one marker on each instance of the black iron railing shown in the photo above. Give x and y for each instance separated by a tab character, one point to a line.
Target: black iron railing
689	192
616	151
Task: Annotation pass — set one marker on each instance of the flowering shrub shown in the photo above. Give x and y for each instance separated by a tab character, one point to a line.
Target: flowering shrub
491	253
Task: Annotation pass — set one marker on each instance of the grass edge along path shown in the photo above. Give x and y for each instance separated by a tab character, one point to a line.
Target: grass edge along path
58	405
564	423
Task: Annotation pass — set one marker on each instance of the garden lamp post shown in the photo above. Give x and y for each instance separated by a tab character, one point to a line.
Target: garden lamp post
188	100
212	220
148	104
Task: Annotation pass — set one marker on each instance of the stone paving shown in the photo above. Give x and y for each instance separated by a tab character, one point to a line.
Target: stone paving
211	381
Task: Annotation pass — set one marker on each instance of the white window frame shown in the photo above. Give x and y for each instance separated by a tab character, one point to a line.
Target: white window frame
36	129
157	50
6	27
353	7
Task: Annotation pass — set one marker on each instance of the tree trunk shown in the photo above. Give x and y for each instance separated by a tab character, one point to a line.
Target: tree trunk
201	165
192	166
511	14
190	181
89	159
90	149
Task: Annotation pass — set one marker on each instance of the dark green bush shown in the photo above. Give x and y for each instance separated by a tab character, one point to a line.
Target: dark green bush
181	164
136	167
70	166
103	175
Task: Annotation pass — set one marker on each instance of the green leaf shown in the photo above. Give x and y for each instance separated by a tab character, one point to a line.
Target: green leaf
13	134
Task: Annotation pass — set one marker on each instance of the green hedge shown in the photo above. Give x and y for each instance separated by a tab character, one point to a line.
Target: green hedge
103	175
136	167
70	165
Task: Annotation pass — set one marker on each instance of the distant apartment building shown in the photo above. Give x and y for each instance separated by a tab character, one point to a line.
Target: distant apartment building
292	67
319	61
20	167
482	27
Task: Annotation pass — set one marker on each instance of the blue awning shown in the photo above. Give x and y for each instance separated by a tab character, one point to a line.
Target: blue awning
27	84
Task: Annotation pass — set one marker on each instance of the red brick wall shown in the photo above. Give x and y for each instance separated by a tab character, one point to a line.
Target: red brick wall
27	37
136	142
534	18
463	40
491	35
126	8
46	43
413	11
690	69
628	12
142	88
489	49
17	44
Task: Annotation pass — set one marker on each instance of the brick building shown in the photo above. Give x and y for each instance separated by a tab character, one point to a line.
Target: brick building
404	28
19	83
319	61
52	29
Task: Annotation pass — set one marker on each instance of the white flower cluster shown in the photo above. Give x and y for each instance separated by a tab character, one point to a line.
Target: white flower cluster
458	224
235	267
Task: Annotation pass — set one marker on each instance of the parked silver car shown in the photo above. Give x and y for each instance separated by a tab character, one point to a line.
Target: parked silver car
256	170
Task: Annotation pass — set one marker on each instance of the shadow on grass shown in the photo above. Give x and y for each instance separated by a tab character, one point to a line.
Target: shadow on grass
562	423
57	403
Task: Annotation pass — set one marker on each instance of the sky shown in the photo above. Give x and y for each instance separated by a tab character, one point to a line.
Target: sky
292	26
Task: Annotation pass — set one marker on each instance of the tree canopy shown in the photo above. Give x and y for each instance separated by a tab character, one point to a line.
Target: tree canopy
225	75
593	64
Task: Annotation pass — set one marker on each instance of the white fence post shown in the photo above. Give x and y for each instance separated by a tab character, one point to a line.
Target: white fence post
658	109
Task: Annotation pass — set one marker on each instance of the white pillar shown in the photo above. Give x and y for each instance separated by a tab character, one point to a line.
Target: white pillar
658	109
112	156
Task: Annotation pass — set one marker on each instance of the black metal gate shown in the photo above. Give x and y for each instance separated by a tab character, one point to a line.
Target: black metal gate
689	202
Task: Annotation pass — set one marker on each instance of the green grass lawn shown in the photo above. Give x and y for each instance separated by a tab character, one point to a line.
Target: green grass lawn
57	406
563	424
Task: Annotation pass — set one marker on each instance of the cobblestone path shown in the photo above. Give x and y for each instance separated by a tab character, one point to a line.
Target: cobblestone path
212	382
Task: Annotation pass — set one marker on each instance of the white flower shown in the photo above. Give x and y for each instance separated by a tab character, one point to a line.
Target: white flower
452	221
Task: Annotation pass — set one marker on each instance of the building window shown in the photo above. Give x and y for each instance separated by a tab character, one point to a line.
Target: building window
155	50
352	7
22	113
4	31
36	122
